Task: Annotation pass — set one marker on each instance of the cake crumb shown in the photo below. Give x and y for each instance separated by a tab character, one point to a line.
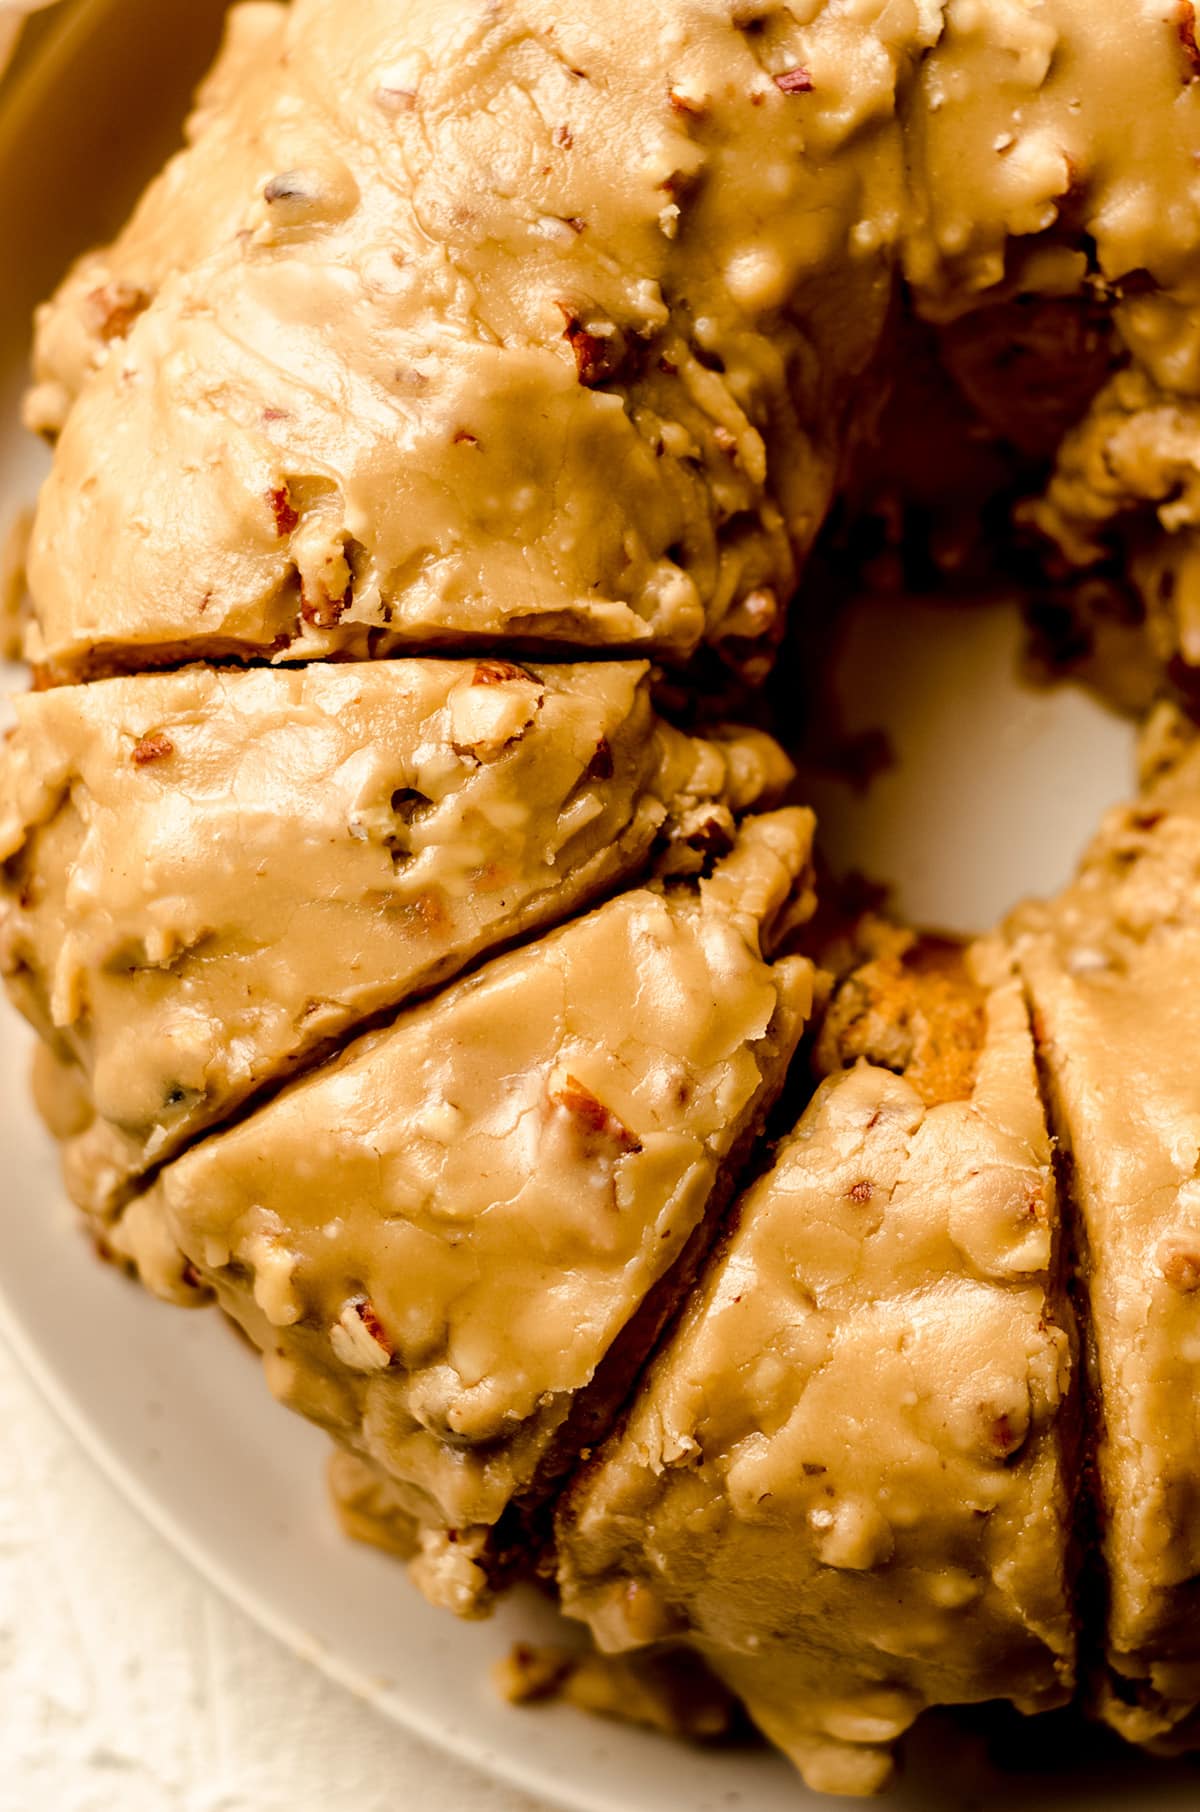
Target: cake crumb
906	1003
671	1692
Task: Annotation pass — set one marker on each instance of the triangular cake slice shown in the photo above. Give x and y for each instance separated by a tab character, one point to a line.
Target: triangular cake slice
209	877
843	1478
456	1244
1111	967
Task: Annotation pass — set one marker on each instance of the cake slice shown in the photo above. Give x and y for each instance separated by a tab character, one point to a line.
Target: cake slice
1111	968
209	876
456	1243
843	1480
544	330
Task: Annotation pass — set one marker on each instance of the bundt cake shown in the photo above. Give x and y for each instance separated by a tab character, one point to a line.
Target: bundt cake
429	974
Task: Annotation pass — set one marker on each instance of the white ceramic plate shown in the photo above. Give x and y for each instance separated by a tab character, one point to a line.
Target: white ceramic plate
173	1407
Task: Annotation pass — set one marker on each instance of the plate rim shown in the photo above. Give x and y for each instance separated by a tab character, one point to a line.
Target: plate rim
524	1775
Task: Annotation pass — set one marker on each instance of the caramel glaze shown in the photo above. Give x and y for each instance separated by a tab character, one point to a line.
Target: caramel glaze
518	329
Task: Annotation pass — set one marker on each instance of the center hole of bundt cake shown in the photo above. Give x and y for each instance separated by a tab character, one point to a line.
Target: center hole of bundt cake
960	782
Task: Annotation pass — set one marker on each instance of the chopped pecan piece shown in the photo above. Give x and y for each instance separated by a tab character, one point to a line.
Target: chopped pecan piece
117	306
597	1122
600	767
286	517
358	1338
1185	25
1035	1206
154	747
682	102
1003	1438
599	350
324	612
1179	1261
757	614
427	913
493	711
498	673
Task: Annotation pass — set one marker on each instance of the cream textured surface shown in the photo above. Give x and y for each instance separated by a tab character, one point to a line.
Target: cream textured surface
127	1684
